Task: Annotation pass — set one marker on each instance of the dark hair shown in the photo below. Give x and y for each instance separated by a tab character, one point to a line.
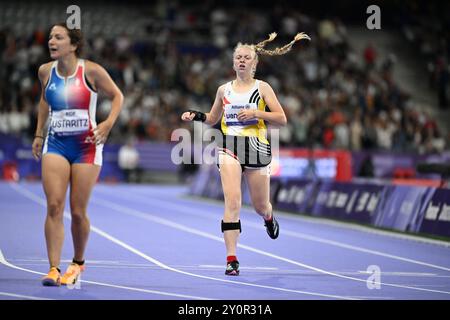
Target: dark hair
75	35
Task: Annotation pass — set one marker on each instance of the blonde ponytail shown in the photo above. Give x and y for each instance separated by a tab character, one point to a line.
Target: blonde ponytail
259	48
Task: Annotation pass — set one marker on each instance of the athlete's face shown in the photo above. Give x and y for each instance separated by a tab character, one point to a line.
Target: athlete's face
244	60
59	43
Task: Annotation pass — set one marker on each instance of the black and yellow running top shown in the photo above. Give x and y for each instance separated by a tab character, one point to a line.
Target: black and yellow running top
233	102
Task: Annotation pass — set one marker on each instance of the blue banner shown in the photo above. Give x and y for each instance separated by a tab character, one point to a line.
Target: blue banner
401	207
347	201
295	194
415	209
436	215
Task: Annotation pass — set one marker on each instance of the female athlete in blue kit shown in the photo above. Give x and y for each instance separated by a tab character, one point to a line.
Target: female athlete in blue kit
72	149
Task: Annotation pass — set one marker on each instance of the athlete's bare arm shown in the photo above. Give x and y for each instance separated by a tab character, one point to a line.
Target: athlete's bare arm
214	114
101	80
276	114
217	108
43	74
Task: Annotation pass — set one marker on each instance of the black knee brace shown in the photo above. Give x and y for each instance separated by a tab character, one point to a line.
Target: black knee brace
231	226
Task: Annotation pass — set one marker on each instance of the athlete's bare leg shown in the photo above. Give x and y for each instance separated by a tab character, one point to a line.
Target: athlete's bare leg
258	181
55	178
84	176
231	173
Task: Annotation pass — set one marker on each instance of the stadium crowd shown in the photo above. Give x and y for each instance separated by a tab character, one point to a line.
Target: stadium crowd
332	96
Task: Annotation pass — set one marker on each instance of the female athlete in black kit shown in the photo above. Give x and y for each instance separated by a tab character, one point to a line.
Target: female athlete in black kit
241	104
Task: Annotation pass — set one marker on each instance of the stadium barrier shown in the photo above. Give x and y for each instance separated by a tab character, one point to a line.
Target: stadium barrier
17	162
303	185
379	203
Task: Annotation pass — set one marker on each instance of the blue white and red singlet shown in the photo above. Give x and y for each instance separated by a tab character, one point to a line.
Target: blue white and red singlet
72	103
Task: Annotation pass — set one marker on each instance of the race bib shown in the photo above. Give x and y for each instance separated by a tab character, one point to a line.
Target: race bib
231	114
70	122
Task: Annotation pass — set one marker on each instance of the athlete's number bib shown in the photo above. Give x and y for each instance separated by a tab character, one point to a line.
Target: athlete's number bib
70	122
231	114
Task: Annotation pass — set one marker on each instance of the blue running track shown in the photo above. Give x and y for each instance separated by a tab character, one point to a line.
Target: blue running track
153	242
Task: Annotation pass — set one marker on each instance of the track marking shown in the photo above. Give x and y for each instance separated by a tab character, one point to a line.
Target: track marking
213	266
8	264
169	223
21	296
325	221
187	209
28	194
313	219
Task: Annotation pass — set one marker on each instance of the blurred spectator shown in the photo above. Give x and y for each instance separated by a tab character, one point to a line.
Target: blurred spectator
427	29
384	131
370	55
444	86
174	59
129	161
356	131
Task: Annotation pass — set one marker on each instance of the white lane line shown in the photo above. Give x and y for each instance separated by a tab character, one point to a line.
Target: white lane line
308	219
374	297
41	201
104	264
305	218
355	248
120	265
21	296
372	230
333	223
45	260
169	223
8	264
162	265
400	273
213	266
187	209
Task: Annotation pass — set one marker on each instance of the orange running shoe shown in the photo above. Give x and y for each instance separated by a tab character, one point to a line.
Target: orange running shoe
72	274
52	279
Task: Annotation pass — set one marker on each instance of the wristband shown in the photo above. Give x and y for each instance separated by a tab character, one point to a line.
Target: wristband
199	116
